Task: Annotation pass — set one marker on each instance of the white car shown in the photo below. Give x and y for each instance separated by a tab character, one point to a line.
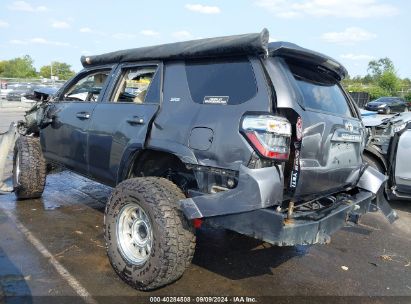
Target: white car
388	149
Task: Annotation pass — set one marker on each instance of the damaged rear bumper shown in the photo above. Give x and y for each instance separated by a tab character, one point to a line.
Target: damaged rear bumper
273	227
250	208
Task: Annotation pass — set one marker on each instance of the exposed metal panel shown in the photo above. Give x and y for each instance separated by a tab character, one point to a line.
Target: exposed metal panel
371	180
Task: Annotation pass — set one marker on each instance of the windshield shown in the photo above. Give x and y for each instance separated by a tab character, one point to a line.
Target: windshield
320	91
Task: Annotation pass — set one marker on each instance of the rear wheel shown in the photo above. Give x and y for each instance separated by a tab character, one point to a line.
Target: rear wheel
149	241
29	168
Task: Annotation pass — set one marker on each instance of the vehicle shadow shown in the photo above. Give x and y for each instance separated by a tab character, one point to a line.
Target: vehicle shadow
401	205
13	286
237	256
220	251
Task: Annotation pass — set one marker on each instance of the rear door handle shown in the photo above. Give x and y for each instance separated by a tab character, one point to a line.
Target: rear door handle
83	115
136	120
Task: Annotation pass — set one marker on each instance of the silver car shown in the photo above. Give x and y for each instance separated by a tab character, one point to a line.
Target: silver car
388	150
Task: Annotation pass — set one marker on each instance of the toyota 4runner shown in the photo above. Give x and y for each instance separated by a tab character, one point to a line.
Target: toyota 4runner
233	132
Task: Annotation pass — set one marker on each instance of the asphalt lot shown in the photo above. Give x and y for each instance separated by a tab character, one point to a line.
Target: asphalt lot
64	228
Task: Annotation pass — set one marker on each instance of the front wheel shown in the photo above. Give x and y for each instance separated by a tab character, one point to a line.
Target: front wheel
29	168
149	241
388	110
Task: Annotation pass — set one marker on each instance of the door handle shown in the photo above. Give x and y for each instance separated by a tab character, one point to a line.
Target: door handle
136	120
83	115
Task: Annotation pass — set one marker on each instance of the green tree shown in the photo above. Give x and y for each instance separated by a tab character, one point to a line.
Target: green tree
377	67
20	67
389	82
406	82
2	67
376	91
60	69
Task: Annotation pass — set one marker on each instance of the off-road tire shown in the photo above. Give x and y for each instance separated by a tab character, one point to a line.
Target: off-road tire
173	235
31	180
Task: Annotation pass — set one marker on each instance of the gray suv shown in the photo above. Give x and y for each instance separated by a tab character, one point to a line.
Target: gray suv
233	132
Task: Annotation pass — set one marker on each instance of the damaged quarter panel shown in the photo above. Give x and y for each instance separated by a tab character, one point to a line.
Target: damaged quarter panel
256	189
215	118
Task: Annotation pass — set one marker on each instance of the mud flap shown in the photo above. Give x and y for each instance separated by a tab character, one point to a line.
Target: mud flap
7	141
372	180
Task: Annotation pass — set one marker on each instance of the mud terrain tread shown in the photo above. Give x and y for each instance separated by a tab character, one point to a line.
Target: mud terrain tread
185	229
177	249
32	177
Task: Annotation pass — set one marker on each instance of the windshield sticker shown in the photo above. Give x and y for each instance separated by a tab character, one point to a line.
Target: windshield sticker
216	100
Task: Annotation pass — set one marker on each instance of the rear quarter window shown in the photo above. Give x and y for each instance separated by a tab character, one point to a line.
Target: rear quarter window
321	91
222	81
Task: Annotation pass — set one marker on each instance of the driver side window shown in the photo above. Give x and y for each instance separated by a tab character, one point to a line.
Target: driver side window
87	88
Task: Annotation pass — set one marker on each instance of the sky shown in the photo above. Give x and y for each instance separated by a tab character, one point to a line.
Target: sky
351	31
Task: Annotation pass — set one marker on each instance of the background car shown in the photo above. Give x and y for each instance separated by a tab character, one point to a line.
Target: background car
387	105
15	95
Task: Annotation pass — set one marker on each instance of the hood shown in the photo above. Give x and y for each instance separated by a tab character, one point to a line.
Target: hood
376	120
44	93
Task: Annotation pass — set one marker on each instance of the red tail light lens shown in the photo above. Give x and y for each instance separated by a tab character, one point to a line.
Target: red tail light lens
269	135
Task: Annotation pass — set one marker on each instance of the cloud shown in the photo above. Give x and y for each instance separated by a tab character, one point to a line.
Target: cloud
4	24
358	57
150	33
203	9
38	40
348	36
123	36
60	25
182	35
329	8
17	41
85	30
26	7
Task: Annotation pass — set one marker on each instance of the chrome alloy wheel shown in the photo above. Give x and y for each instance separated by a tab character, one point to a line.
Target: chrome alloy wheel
134	234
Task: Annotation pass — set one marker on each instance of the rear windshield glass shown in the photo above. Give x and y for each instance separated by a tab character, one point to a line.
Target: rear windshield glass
320	90
223	81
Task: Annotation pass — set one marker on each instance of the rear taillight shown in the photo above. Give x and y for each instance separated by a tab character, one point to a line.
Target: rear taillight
269	135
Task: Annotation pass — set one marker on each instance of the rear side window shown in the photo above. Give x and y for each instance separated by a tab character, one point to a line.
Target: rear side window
320	91
229	81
